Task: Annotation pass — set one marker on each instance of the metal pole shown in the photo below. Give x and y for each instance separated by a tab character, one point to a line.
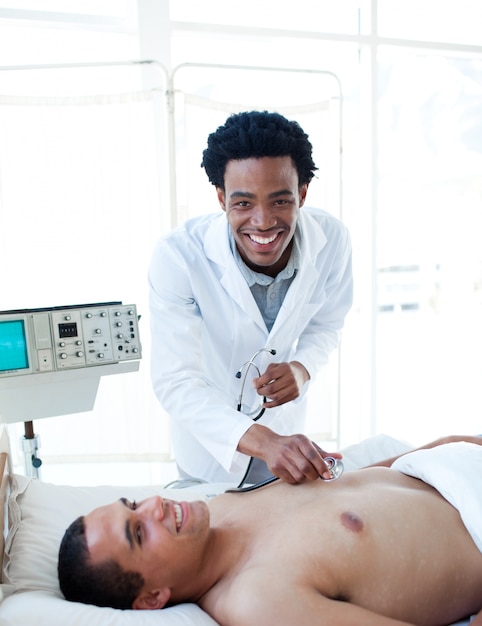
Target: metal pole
30	443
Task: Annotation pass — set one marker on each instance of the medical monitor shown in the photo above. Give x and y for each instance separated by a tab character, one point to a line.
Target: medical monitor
51	359
13	346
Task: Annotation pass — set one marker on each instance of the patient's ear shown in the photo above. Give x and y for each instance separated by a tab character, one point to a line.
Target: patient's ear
151	600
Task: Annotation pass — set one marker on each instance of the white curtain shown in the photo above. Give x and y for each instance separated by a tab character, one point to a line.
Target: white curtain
79	215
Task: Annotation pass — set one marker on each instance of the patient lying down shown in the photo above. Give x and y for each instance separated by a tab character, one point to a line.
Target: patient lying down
374	547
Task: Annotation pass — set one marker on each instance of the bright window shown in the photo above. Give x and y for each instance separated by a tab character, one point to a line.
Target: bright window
450	21
310	15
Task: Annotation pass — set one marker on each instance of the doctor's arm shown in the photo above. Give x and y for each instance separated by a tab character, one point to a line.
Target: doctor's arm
292	458
178	376
283	382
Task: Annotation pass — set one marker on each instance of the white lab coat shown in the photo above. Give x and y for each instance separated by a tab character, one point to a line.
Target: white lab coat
205	324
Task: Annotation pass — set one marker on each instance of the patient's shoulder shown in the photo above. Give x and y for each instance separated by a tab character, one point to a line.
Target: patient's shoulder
273	598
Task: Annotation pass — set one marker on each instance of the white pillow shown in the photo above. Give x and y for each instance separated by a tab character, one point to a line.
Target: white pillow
40	512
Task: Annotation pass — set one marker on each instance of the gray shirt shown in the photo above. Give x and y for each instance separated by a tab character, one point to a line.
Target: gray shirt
269	292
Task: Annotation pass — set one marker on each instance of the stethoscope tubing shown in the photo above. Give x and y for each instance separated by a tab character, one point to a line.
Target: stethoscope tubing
336	469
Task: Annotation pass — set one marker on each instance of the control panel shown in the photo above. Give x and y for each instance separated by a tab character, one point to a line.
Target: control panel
62	338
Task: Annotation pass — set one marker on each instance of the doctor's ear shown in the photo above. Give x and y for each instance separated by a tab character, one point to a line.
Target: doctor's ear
303	191
152	600
221	198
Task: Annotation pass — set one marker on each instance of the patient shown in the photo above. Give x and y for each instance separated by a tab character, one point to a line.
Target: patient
375	547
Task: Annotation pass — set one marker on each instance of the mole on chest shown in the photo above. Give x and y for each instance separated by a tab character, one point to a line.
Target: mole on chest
352	521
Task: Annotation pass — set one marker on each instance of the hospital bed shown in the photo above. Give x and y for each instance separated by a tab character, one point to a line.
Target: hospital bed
37	514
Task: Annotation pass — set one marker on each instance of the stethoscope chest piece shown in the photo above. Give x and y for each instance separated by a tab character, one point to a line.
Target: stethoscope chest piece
335	467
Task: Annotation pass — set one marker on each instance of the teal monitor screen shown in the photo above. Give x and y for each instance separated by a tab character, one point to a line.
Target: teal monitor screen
13	346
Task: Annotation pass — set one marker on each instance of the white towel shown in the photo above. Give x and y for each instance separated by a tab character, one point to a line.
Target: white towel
455	470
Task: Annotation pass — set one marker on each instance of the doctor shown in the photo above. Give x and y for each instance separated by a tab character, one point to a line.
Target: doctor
263	276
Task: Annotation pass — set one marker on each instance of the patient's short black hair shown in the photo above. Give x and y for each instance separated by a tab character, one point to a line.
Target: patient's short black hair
104	584
257	134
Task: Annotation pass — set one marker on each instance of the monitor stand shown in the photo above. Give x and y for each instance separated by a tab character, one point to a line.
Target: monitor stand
30	444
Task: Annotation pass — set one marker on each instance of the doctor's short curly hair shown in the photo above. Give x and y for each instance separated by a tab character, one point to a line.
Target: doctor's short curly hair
257	134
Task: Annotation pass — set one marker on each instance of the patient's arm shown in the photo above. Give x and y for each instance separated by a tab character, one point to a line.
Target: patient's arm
294	606
433	444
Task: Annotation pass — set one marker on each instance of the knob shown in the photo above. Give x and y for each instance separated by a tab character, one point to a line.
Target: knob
78	342
62	344
100	355
117	313
135	350
120	335
118	323
63	355
103	314
79	353
88	315
68	317
98	331
130	312
36	462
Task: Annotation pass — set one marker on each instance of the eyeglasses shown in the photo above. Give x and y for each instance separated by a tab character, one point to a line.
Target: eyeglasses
257	413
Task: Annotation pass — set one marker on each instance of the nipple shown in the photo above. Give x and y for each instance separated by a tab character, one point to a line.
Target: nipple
352	521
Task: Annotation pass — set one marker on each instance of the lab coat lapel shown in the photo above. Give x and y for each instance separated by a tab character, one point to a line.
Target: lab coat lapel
217	249
295	304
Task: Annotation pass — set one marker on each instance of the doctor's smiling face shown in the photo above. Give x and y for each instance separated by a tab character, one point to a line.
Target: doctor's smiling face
160	539
262	198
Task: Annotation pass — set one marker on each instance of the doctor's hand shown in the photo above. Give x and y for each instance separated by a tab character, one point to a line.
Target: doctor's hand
292	458
281	383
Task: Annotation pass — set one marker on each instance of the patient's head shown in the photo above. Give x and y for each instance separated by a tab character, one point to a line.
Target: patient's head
102	584
127	555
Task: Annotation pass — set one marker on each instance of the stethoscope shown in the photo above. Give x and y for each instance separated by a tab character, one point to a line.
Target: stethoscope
335	466
239	373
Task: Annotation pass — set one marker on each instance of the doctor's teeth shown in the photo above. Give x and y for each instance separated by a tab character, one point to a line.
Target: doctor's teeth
262	240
